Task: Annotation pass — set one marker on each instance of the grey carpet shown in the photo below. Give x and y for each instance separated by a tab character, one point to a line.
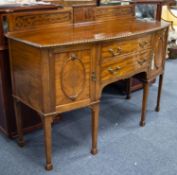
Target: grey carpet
124	147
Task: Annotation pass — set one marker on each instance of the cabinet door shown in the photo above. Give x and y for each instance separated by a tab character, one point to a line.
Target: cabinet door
158	53
72	78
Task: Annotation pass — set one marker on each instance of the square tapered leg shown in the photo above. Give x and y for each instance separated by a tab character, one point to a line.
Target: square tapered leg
144	103
47	124
159	93
95	122
19	122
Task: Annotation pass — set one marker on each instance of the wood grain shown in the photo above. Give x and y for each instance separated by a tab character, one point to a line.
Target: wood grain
65	67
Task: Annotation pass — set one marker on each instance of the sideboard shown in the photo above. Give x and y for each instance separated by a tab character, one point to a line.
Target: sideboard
61	60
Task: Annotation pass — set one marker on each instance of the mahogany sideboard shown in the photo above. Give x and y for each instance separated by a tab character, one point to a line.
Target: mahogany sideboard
63	61
7	117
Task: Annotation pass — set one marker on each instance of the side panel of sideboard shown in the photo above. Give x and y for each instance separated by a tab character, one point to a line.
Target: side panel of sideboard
26	74
7	118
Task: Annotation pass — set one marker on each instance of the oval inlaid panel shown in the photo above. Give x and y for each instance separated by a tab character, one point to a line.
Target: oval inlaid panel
73	78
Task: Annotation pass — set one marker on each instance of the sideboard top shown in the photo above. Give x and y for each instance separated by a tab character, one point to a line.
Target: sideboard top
87	33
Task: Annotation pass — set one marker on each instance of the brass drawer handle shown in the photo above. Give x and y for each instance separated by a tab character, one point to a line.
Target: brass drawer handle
115	51
113	71
141	62
143	44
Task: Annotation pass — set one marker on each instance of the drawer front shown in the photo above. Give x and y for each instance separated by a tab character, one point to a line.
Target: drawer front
125	67
123	48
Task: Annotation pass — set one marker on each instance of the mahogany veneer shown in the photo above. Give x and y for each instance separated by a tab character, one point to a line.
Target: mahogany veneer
61	66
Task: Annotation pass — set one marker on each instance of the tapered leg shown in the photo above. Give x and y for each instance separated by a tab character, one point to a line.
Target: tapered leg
19	122
144	103
95	120
47	122
128	88
159	92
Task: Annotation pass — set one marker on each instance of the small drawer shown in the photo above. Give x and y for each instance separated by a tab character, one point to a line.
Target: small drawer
125	67
123	48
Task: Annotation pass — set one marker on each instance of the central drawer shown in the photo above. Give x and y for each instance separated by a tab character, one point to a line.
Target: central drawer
115	49
125	67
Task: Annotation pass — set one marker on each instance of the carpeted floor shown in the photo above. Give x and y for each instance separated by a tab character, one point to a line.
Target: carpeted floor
124	147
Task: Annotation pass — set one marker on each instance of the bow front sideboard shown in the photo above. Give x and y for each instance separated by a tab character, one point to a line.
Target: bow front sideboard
61	60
